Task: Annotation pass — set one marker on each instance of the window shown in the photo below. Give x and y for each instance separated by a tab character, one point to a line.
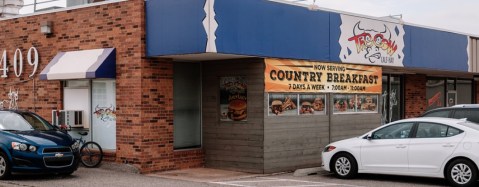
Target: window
435	93
464	91
104	113
284	104
36	122
453	132
355	103
187	105
432	130
396	131
469	114
439	113
442	92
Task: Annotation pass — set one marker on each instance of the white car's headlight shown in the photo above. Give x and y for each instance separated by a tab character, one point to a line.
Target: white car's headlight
329	148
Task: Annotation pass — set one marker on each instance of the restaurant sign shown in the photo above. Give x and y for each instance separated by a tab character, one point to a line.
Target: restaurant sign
313	77
368	41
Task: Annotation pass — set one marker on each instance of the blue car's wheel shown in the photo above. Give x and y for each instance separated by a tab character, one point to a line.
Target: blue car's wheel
4	166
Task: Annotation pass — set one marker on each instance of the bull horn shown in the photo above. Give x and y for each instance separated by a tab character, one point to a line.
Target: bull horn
357	30
387	32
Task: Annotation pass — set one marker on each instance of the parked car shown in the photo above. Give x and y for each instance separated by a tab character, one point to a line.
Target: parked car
427	147
468	111
30	144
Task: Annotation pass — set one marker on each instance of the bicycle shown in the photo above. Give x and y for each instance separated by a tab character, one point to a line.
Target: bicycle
91	153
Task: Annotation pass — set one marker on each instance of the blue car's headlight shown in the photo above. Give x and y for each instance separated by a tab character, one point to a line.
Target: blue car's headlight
75	145
23	147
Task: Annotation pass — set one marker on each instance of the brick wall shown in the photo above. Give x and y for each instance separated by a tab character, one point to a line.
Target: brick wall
415	95
144	86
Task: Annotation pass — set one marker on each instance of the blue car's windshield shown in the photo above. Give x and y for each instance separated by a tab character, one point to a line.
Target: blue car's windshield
22	122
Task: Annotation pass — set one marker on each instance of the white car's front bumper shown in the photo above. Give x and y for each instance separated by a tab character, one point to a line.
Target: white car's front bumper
326	159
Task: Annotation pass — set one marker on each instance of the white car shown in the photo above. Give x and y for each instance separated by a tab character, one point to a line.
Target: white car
427	147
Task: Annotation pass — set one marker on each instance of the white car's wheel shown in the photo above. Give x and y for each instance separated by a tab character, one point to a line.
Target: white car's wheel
344	166
461	172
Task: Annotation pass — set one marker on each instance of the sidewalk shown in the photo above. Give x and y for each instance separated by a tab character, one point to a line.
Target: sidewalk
203	175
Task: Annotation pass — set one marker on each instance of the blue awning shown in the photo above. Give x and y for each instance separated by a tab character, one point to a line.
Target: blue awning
85	64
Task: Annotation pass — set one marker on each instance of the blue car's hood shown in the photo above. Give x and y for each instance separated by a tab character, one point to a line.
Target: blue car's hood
43	138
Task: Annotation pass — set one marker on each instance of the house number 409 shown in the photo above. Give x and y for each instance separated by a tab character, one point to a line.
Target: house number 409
32	58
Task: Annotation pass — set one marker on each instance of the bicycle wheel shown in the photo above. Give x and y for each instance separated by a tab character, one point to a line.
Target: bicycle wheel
91	154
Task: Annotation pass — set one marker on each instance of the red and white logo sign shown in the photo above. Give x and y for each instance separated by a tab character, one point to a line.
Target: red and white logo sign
373	42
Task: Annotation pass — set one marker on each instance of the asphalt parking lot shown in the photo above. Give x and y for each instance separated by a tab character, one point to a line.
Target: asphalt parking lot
106	177
326	180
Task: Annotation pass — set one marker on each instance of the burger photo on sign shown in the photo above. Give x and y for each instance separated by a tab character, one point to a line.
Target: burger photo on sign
237	110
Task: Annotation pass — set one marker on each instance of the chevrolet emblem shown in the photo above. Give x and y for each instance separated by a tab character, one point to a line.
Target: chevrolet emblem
58	155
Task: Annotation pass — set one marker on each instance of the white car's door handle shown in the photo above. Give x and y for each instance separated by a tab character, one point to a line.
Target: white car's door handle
401	146
448	145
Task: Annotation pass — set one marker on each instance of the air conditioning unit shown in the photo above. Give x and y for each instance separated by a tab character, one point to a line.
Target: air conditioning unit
73	118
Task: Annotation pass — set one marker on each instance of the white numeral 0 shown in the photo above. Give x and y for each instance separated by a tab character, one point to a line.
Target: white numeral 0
35	62
18	53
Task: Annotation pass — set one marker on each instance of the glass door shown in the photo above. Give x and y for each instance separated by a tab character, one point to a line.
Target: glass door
391	98
104	113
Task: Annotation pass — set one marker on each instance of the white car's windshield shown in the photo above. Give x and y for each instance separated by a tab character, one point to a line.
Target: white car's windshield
12	121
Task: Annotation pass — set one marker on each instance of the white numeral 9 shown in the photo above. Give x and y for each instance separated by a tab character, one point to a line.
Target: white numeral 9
35	62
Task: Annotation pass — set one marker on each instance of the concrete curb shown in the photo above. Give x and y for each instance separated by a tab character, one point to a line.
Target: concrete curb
307	171
119	167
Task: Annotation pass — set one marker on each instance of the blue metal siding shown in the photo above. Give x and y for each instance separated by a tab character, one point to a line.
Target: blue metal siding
433	49
175	27
335	33
268	29
274	30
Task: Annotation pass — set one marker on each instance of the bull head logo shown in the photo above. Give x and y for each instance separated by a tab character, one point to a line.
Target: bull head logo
373	42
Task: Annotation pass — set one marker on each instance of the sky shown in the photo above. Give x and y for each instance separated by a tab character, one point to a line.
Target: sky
454	15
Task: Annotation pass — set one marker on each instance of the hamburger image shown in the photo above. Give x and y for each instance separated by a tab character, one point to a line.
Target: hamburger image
318	104
306	108
237	110
277	107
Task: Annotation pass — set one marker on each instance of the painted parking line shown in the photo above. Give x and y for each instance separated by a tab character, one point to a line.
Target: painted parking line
277	182
325	183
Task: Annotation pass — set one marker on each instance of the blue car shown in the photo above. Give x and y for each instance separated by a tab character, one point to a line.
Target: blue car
30	144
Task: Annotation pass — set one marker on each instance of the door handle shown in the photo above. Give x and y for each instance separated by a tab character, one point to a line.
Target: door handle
401	146
447	145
